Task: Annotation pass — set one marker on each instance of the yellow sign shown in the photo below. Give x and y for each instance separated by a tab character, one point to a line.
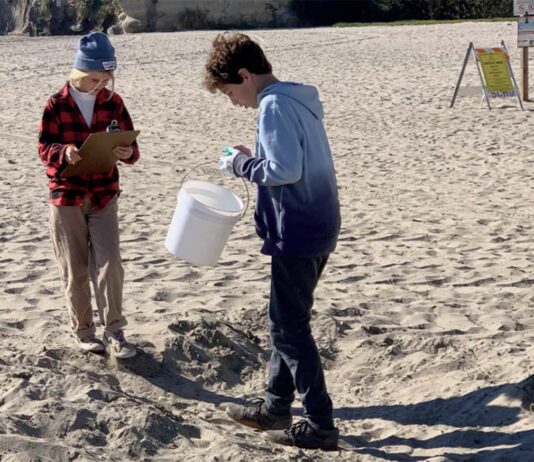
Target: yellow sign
496	75
496	72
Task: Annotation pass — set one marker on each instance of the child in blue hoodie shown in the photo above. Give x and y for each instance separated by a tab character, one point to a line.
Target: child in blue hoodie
297	216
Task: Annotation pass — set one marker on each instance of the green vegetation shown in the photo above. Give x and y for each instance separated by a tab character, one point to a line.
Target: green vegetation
421	22
328	12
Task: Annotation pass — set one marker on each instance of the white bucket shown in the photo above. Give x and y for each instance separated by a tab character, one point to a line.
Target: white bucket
203	219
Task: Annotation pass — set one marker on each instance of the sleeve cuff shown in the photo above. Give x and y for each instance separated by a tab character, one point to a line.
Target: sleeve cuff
239	162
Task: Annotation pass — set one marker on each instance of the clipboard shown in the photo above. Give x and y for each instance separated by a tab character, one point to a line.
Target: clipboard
97	152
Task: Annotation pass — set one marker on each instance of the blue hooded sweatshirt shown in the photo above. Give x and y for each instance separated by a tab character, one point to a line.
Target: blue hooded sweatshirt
297	207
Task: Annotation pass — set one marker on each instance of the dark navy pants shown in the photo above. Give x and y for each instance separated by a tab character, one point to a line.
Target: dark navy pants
295	363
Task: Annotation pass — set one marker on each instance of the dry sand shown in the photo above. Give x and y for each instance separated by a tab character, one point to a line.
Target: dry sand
424	316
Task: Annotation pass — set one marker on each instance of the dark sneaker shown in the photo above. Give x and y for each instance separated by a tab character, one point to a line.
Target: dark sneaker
118	345
304	435
256	415
92	344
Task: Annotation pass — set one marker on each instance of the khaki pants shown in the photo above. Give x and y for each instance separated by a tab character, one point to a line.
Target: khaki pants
86	245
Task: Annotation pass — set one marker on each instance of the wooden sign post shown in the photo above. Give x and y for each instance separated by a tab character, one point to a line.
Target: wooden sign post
525	38
524	74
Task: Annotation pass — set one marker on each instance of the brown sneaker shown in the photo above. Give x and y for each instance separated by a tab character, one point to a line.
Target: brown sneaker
304	435
256	415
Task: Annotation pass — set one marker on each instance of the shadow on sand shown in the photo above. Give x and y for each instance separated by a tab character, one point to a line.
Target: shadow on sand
470	410
155	371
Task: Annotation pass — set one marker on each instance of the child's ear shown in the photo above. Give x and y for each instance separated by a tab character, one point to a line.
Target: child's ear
244	73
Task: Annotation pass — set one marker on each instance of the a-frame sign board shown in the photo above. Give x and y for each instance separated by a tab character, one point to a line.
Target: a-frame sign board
495	72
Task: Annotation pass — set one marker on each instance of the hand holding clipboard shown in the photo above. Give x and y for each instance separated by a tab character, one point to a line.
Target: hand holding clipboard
97	154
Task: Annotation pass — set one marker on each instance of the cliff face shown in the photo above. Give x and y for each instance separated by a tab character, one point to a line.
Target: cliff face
53	17
172	15
13	15
36	17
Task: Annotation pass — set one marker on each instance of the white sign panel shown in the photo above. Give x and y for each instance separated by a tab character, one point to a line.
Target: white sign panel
525	32
522	7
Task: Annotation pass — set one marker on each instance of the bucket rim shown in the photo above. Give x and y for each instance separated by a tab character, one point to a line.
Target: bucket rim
202	164
219	211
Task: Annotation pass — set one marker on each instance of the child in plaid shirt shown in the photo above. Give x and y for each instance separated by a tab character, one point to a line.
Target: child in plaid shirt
83	209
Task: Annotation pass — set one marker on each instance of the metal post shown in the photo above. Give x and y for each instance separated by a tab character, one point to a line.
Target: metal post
524	73
511	71
461	74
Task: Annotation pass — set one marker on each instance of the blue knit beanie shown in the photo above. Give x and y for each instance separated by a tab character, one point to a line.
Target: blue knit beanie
95	53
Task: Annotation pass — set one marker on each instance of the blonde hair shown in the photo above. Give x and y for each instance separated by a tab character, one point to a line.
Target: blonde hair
76	76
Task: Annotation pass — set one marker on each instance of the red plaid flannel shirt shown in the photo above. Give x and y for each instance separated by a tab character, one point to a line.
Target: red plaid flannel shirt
63	124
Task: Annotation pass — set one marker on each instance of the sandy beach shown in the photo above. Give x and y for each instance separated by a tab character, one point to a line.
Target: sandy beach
425	314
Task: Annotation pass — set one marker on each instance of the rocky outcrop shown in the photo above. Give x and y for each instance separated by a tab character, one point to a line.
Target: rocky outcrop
13	15
58	17
36	17
173	15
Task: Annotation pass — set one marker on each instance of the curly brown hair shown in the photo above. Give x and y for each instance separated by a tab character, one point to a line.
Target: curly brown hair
230	52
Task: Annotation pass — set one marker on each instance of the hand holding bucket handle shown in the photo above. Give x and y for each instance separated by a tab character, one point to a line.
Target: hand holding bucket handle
226	161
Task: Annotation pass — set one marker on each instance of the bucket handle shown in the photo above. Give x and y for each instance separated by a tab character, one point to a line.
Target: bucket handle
222	174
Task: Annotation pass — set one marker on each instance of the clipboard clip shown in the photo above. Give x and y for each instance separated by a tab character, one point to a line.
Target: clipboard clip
113	126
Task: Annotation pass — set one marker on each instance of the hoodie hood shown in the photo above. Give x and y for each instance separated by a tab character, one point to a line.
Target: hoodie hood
306	95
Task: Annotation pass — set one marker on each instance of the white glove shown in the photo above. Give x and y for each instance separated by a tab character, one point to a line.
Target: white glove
226	161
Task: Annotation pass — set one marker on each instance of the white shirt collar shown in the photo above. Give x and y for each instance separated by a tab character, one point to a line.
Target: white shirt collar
80	95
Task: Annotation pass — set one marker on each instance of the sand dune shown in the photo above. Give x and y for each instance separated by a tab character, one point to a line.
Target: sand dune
423	318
